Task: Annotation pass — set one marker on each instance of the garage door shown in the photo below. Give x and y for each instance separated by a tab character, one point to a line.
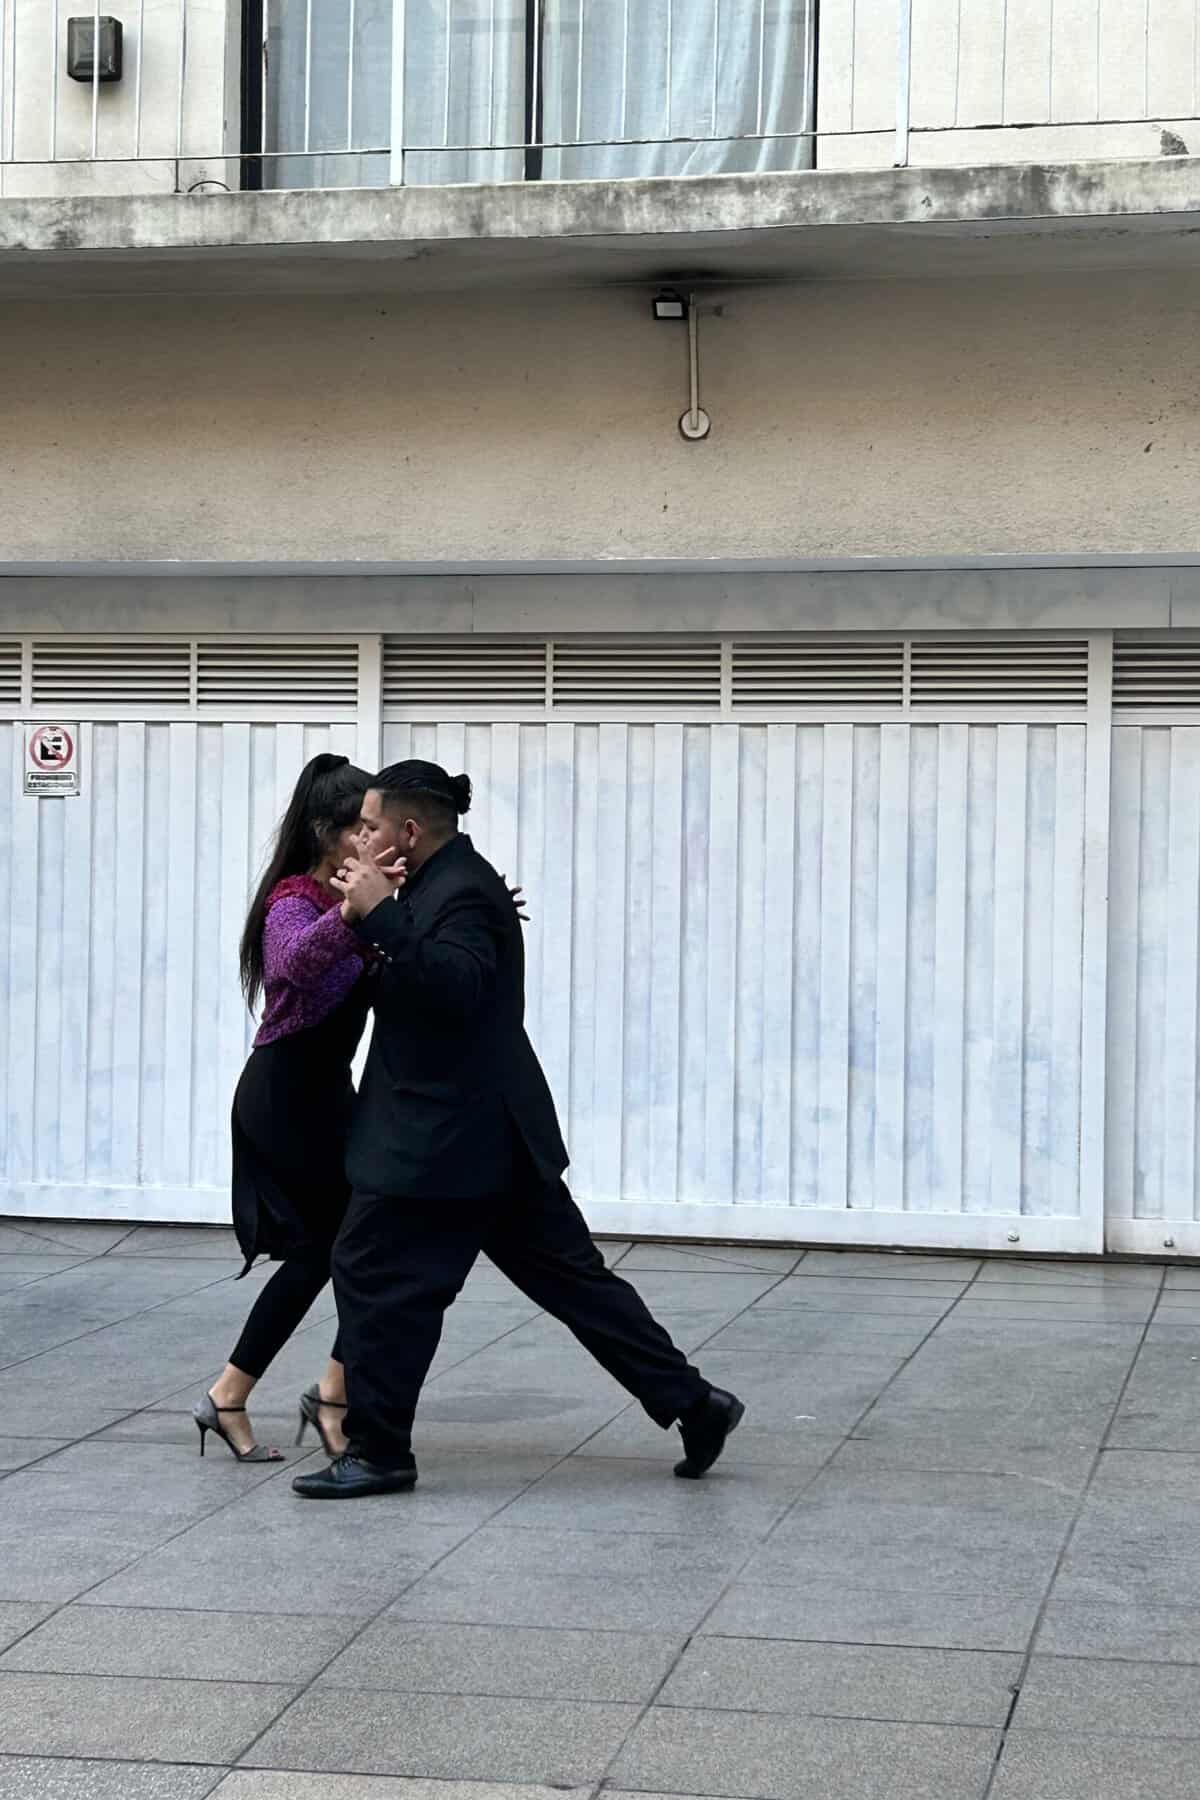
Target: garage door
811	956
1153	1197
818	951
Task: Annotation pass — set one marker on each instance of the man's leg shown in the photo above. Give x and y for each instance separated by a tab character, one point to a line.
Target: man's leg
541	1242
397	1266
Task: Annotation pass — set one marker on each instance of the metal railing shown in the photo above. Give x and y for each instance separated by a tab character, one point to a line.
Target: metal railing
308	93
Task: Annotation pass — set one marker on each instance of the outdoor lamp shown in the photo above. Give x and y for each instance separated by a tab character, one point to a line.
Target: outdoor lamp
670	305
81	63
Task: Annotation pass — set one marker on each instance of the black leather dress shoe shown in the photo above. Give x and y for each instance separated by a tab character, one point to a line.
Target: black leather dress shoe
352	1478
704	1428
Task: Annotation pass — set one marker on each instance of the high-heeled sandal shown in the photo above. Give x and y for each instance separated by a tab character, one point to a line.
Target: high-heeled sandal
311	1402
207	1415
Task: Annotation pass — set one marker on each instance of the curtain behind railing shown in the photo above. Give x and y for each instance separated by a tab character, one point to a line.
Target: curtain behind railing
737	74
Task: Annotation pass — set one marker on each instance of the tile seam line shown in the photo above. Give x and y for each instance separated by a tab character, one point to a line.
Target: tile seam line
408	1586
1068	1540
608	1778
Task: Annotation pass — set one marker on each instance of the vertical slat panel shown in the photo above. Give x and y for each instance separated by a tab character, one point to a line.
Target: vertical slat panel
981	61
867	883
596	886
888	1181
1151	1073
751	864
1027	61
640	951
1182	973
77	886
208	1098
177	842
130	962
806	965
696	877
1122	37
531	863
236	885
558	884
157	824
920	955
980	971
836	901
722	973
503	798
1075	60
779	900
612	756
1170	59
108	888
950	940
46	1046
1037	1049
666	926
1012	761
1124	972
1066	1048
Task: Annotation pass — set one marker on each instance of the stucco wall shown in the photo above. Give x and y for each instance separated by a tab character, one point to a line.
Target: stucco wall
903	419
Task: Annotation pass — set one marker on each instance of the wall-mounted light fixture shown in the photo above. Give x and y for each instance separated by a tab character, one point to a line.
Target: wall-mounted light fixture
695	423
82	56
670	305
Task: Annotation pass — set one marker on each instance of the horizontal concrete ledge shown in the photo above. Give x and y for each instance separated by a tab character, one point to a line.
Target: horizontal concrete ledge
659	207
835	224
729	565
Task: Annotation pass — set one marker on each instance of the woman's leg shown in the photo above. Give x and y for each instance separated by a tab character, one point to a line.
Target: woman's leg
276	1313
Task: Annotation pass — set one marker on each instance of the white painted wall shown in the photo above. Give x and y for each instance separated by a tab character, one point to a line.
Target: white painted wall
998	81
162	128
1006	416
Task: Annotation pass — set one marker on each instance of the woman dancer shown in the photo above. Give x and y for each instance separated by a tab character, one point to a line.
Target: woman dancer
292	1105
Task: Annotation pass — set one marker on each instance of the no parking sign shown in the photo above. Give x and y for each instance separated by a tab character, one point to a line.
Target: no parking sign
52	760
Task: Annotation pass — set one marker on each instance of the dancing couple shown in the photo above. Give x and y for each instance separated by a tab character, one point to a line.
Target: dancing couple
374	899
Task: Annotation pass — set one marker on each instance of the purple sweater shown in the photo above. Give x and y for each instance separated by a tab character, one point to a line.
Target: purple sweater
311	958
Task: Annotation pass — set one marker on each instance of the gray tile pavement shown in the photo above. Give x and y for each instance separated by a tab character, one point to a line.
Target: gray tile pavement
950	1554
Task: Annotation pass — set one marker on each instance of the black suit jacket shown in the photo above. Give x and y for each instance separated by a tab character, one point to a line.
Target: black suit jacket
451	1073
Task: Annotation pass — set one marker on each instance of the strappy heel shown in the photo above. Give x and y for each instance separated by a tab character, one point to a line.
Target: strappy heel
207	1415
311	1402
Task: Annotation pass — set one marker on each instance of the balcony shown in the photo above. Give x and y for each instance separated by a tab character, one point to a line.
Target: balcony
273	142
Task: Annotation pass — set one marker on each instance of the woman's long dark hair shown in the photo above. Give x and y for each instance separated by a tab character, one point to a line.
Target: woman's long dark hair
327	800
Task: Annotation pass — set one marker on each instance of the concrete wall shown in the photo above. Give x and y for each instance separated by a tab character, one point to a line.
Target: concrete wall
871	419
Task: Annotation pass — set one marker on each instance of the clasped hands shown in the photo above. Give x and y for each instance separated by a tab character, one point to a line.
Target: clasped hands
366	882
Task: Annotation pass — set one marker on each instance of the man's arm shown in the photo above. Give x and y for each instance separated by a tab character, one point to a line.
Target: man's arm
449	968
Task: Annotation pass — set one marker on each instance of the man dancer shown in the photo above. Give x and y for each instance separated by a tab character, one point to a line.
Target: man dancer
456	1149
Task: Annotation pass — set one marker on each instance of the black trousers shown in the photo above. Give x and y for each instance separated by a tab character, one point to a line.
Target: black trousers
398	1264
281	1305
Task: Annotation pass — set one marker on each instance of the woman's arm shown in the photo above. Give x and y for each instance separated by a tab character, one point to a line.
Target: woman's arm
308	948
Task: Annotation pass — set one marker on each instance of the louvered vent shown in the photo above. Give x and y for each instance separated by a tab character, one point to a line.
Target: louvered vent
817	672
1008	672
71	673
10	674
1162	673
317	678
632	672
421	673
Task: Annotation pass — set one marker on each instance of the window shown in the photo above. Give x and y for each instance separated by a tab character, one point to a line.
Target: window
513	90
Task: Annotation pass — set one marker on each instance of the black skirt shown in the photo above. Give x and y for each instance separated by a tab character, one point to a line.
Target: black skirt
291	1115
